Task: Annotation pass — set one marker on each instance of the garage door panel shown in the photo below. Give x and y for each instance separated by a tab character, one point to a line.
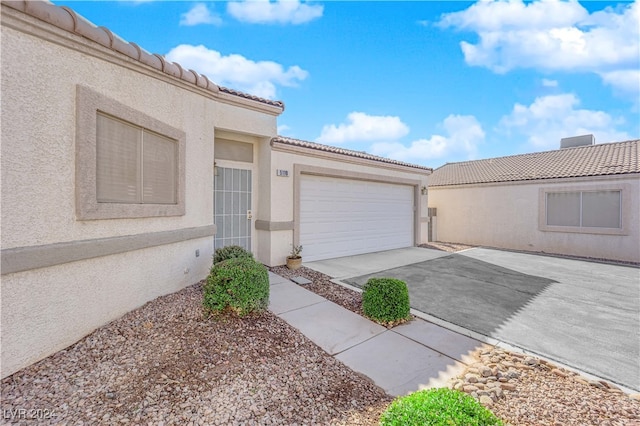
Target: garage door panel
340	217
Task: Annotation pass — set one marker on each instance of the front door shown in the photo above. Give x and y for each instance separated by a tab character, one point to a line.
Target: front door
232	209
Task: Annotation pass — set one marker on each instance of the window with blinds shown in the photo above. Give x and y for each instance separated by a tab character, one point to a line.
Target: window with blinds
585	209
134	165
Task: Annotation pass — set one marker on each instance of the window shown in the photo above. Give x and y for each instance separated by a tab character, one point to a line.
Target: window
584	209
128	164
133	164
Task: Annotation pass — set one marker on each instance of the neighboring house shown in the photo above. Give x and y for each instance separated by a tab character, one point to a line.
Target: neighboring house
582	201
121	172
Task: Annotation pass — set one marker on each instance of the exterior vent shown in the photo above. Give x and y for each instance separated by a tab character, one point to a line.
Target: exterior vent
431	212
574	141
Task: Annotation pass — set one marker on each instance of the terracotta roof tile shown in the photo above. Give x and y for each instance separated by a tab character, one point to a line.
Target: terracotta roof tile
327	148
67	19
593	160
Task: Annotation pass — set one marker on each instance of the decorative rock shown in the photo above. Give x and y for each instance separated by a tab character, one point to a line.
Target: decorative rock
469	388
549	363
558	372
471	378
531	361
485	371
512	374
508	386
486	400
635	396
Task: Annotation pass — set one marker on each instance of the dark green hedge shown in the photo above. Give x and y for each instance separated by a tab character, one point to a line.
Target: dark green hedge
240	284
385	300
230	252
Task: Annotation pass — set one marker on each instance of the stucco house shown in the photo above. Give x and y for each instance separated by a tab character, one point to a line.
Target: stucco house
578	200
122	172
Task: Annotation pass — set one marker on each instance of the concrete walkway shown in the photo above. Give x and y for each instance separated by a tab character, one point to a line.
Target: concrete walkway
407	358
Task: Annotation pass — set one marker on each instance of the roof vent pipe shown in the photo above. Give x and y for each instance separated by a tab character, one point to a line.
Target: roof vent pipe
574	141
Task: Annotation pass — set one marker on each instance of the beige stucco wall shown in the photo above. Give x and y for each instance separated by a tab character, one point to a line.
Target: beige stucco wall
45	310
41	67
276	245
507	216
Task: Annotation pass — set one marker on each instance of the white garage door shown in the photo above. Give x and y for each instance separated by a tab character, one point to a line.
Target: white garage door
342	217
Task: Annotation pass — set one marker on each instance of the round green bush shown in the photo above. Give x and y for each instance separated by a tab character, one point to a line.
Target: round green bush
437	407
239	284
230	252
385	300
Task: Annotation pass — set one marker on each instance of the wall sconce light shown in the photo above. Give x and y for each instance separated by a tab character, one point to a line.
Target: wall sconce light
423	190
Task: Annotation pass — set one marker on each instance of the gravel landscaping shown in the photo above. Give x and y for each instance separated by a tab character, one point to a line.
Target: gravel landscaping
164	363
167	364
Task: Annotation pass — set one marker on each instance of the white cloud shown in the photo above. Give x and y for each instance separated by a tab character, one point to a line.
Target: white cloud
199	14
362	127
627	81
549	83
462	135
279	11
552	36
236	71
283	128
551	118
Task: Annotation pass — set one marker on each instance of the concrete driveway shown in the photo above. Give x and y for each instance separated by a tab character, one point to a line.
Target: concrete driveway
582	314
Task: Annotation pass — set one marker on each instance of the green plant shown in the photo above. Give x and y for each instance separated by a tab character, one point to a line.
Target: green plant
385	300
230	252
437	407
295	252
239	284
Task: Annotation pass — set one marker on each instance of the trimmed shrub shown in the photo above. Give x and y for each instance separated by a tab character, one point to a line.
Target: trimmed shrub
439	407
230	252
385	300
240	285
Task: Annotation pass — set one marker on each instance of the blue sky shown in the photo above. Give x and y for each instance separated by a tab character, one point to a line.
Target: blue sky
426	82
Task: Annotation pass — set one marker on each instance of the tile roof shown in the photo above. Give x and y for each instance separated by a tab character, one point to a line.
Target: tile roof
335	150
68	20
593	160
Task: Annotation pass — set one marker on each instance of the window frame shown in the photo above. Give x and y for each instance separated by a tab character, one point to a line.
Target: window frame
624	190
88	104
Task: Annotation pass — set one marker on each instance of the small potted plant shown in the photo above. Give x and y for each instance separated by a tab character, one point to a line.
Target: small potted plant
294	260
